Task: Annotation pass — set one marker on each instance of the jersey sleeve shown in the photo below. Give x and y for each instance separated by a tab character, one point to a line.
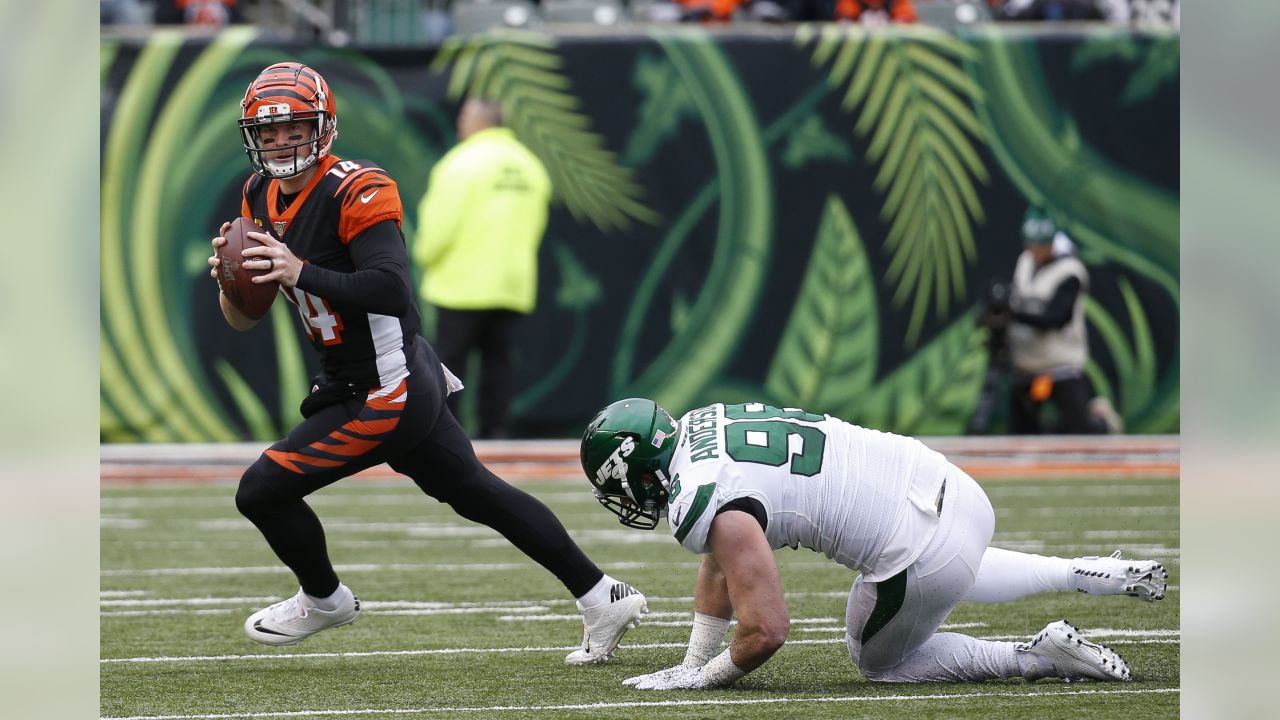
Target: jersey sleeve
702	492
367	197
380	283
691	511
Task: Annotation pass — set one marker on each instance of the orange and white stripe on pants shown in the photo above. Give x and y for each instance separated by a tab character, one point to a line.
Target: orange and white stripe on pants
380	415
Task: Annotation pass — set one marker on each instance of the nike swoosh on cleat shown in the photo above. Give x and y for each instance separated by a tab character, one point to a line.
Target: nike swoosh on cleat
258	626
366	198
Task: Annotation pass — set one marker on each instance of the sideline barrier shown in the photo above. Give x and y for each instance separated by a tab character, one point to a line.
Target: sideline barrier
984	458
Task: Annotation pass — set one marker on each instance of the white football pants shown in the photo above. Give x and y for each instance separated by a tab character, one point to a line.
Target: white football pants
898	640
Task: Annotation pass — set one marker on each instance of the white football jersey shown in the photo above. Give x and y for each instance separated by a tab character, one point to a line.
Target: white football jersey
867	499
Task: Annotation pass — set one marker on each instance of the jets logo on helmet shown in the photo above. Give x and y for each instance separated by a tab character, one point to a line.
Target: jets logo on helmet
281	94
626	454
615	466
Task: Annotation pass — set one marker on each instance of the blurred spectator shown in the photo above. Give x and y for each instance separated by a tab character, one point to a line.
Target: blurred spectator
121	12
207	13
875	12
1115	11
1153	12
479	227
1048	345
709	10
1051	10
1120	12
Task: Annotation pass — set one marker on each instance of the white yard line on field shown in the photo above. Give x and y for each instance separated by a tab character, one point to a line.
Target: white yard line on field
1073	535
712	702
686	618
512	650
371	567
1131	550
997	491
1086	510
155	602
170	611
517	608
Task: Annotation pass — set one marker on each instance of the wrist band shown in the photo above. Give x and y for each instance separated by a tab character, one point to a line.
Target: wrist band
720	671
705	639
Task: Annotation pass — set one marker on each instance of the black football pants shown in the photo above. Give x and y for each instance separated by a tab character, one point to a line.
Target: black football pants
416	435
1070	396
491	332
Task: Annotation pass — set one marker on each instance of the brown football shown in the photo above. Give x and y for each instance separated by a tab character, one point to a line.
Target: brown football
252	299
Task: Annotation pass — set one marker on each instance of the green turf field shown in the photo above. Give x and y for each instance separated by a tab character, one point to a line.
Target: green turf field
456	623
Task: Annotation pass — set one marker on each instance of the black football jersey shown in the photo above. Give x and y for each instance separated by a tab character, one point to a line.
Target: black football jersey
344	198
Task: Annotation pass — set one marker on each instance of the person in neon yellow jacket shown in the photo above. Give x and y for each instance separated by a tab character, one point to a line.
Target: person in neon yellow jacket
479	227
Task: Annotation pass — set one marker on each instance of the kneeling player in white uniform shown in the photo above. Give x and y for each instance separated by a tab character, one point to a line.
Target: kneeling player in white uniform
739	481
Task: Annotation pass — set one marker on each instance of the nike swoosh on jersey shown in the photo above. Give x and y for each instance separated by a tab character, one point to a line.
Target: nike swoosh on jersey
366	198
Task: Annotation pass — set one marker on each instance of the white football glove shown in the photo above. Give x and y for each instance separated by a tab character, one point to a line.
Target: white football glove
680	677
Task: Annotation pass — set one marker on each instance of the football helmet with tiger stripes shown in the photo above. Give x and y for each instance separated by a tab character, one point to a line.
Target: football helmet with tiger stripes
626	454
286	93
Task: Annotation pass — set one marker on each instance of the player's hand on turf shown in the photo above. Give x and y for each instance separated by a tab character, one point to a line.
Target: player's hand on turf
218	242
633	681
680	677
274	256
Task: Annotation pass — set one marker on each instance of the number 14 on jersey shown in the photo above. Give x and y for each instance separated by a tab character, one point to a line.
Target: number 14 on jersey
317	318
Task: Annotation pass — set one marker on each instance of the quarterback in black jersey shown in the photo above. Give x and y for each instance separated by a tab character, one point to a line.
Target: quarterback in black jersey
331	237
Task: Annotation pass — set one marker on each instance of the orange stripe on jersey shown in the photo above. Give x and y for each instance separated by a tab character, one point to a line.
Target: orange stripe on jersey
360	187
394	402
355	175
245	210
387	397
367	204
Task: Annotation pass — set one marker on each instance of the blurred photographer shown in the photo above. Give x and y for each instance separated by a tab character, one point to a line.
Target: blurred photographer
1048	345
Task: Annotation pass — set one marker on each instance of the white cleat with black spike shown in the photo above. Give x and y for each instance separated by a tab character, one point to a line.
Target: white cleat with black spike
604	626
1061	651
295	619
1113	575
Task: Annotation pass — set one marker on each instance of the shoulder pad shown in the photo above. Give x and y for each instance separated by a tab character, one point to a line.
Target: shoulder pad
366	195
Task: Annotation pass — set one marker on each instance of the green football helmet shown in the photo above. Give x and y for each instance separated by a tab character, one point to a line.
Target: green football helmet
626	454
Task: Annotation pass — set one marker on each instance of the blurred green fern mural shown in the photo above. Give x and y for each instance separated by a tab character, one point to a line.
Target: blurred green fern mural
808	217
827	355
522	70
914	103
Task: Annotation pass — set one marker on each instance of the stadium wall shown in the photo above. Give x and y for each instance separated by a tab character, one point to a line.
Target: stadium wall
808	216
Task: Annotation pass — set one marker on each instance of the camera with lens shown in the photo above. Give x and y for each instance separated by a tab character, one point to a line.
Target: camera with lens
994	316
995	307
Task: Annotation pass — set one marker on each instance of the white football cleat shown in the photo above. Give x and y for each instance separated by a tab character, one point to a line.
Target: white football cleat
1060	651
604	625
294	620
1113	575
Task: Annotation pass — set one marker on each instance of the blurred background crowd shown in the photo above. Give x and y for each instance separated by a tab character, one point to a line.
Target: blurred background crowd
409	22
